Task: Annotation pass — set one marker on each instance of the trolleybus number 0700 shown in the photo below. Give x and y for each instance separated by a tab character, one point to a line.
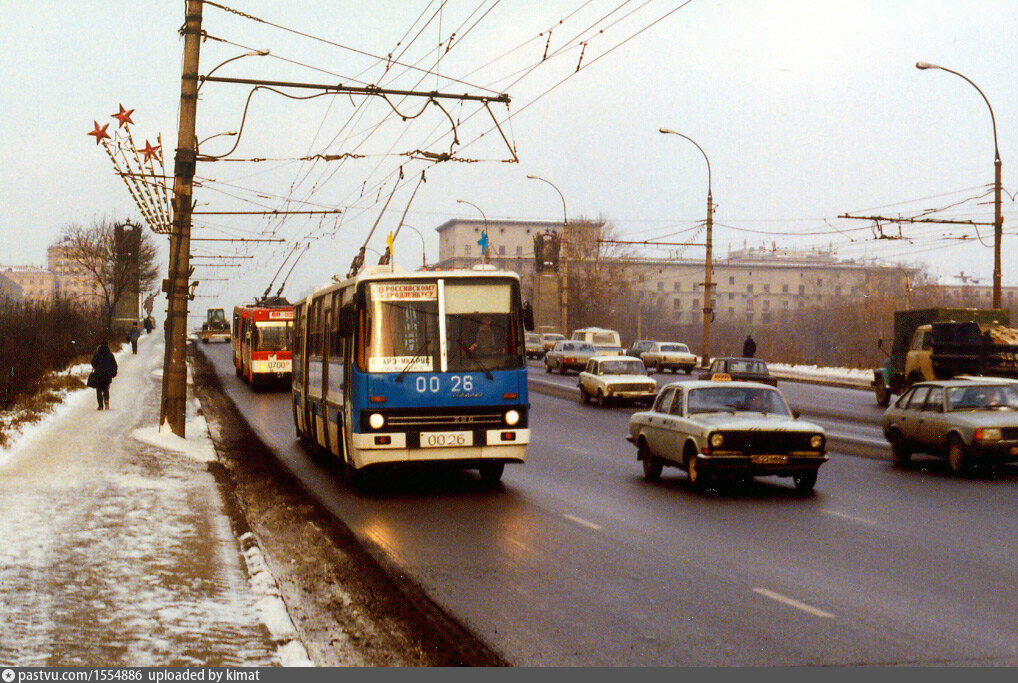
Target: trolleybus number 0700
444	439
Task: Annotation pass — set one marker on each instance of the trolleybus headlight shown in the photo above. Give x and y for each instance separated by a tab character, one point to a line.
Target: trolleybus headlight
816	441
377	421
512	417
716	440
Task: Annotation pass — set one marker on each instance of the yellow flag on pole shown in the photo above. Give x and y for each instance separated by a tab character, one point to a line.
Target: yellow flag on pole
388	241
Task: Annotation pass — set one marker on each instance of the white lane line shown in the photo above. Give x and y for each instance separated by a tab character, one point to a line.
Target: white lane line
850	518
582	522
809	609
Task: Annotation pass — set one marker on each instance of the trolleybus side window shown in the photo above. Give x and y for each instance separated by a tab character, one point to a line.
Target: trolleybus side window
298	343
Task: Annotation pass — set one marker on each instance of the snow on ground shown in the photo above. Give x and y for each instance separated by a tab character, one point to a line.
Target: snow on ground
845	374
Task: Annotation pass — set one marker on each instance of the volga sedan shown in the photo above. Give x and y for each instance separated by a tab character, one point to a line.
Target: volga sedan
734	429
742	369
568	355
669	356
609	379
972	422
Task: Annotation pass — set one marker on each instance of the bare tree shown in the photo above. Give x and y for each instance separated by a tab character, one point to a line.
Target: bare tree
601	292
118	264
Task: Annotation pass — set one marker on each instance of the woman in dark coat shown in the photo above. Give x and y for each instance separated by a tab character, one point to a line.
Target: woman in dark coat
104	365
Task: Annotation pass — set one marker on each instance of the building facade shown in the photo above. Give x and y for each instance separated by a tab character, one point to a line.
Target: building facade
751	286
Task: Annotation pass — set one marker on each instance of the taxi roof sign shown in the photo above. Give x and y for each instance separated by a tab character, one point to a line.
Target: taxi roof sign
721	377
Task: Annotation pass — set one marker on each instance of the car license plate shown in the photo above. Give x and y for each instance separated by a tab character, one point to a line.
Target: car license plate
446	439
770	459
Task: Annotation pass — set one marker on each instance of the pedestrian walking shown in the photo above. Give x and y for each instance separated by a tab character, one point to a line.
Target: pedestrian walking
104	369
748	347
133	335
149	325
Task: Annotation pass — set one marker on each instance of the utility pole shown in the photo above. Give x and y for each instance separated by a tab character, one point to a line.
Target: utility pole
173	408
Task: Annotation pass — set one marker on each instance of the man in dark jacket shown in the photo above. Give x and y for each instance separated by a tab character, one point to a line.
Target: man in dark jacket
132	336
748	347
104	367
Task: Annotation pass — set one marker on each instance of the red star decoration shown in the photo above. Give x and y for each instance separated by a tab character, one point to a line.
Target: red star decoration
124	116
149	151
100	132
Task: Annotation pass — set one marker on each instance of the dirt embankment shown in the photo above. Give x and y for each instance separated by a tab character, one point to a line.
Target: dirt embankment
347	608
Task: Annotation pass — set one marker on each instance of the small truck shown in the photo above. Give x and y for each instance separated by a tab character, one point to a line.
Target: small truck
941	343
215	327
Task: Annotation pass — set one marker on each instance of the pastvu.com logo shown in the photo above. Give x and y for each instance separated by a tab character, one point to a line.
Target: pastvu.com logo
8	675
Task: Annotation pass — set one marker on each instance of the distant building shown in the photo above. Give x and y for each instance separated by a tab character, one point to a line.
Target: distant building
9	289
72	281
37	284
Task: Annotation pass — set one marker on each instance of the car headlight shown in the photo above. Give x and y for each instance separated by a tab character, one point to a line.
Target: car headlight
984	434
716	440
816	441
512	417
377	421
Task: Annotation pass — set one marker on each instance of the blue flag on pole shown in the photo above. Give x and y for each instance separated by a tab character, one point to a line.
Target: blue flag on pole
483	241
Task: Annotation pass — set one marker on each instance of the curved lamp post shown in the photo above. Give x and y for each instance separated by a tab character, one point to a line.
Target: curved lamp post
485	255
708	305
424	261
563	257
998	219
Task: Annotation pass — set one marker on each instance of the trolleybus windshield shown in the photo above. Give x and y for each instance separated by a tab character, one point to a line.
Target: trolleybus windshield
271	335
402	331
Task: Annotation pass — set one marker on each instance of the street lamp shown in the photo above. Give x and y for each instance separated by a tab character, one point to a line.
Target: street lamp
252	53
708	304
998	219
487	236
424	261
564	257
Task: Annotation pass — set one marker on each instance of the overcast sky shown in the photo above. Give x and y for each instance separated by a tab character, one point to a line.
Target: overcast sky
806	110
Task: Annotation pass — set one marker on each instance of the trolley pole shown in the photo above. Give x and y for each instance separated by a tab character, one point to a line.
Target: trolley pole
174	390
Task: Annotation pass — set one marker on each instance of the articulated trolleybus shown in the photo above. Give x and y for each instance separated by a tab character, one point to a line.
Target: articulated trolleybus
262	334
392	367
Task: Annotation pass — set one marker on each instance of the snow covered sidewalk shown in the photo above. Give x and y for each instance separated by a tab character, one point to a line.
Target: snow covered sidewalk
115	546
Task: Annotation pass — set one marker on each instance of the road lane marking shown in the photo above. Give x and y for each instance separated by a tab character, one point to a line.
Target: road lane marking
809	609
583	522
850	518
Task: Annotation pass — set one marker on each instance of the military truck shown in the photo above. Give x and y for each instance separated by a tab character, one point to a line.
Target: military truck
940	343
215	327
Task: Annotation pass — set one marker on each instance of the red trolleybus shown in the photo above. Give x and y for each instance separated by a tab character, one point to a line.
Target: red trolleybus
261	341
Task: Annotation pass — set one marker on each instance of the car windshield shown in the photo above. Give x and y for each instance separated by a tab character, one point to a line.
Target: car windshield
675	348
983	397
732	399
747	366
621	367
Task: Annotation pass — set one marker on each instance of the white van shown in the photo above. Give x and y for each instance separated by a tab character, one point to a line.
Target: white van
606	342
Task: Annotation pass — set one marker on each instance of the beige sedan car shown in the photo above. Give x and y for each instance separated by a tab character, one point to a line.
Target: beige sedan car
616	379
669	356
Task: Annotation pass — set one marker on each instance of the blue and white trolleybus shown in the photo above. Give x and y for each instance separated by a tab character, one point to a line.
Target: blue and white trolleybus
392	367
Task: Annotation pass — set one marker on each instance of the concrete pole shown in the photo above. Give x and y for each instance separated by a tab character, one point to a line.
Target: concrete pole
174	390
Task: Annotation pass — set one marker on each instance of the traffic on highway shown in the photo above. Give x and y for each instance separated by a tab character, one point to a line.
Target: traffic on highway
577	557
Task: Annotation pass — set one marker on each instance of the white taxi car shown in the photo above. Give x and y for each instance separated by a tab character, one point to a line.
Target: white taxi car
669	356
609	379
736	429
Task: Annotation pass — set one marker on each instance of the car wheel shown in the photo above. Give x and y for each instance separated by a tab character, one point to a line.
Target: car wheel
561	368
491	472
584	396
883	394
600	398
652	466
805	481
956	455
689	371
697	479
900	454
547	367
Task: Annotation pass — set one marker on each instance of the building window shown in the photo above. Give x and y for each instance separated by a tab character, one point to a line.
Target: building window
501	250
749	288
677	305
820	282
767	287
696	304
678	286
802	290
766	304
519	252
784	289
466	250
731	279
765	318
660	286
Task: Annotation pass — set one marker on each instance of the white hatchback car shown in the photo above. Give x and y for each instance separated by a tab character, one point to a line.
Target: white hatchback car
616	379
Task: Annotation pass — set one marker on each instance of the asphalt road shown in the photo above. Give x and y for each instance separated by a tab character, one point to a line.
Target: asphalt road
576	560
